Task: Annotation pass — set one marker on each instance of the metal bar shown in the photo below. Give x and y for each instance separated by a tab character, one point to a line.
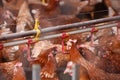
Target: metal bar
58	35
17	35
76	72
79	24
59	27
35	72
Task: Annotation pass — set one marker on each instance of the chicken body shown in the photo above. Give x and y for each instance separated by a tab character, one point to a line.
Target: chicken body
24	20
95	73
8	69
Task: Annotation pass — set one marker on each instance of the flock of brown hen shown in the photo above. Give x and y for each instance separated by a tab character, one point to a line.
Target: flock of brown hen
98	57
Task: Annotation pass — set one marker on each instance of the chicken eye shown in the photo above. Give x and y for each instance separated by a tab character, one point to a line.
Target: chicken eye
88	38
54	51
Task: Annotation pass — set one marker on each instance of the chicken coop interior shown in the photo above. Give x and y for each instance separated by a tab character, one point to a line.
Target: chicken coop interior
59	40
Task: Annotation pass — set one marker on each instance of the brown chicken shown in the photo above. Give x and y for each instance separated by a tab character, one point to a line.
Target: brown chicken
43	52
10	60
24	20
106	51
48	72
8	70
43	57
62	59
12	4
113	7
42	46
18	69
97	73
7	19
83	74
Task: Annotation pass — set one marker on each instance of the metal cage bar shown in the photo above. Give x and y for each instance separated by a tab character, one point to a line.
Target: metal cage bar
58	35
76	72
36	72
59	27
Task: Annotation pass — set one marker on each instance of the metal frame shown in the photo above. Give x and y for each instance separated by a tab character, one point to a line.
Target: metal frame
36	72
76	72
58	35
59	27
